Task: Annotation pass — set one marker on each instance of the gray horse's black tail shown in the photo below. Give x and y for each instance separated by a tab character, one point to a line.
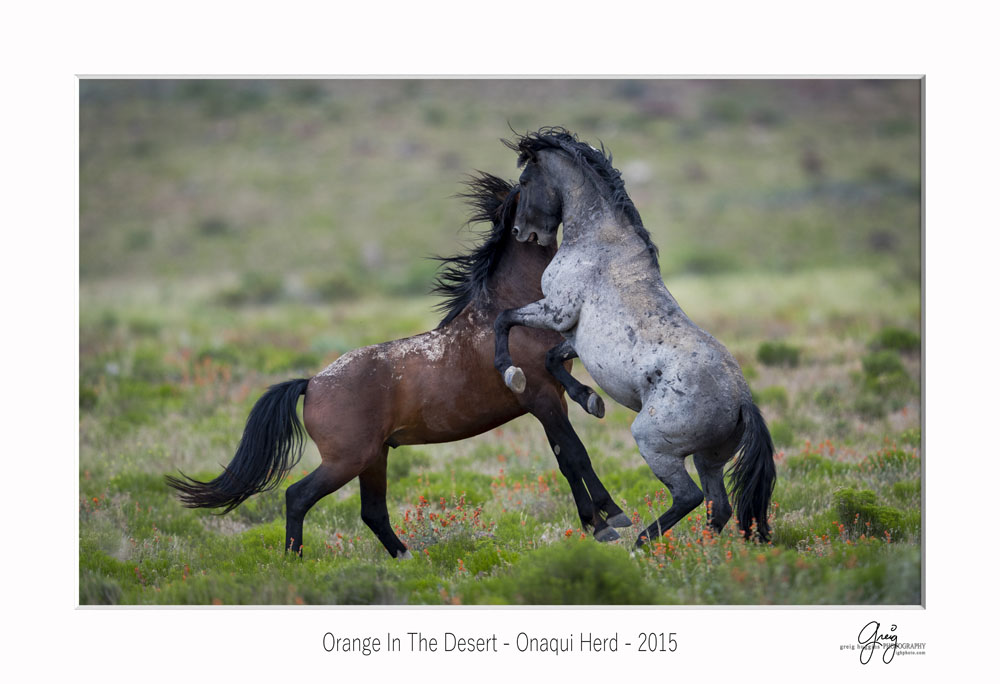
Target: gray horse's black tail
271	446
752	476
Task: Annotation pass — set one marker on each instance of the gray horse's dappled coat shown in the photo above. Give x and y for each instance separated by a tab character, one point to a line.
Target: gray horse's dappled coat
603	291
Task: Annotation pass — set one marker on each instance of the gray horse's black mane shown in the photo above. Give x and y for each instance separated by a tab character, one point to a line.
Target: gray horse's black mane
463	277
594	162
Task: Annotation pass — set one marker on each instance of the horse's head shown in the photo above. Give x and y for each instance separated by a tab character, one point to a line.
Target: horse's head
539	207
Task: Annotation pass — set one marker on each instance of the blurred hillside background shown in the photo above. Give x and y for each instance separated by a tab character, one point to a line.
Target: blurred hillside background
331	188
238	233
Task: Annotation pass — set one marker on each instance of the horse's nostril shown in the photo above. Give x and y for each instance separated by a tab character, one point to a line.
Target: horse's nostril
516	231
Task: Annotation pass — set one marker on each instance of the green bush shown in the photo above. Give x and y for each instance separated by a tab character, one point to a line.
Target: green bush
870	407
708	262
403	460
331	287
144	327
254	288
88	398
96	589
214	226
885	375
778	354
884	362
871	518
573	572
896	338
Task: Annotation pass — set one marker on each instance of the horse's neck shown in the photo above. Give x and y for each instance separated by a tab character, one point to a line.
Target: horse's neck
596	228
517	279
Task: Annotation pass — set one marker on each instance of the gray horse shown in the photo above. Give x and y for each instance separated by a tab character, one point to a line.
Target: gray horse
604	293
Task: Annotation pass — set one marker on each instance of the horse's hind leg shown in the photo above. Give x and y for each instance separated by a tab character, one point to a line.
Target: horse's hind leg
710	467
667	463
374	511
586	397
328	477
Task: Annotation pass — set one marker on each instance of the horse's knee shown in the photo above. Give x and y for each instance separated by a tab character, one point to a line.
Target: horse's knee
503	322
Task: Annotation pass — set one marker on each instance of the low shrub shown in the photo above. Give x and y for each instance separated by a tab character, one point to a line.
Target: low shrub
254	288
898	339
860	509
778	354
403	460
572	572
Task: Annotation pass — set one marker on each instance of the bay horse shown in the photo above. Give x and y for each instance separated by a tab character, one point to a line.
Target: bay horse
436	387
604	293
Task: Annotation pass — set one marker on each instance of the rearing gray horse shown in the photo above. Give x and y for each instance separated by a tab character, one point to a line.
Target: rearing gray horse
604	293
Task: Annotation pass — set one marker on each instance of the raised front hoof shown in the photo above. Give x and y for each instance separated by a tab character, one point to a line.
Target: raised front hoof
606	534
620	520
404	555
595	405
514	378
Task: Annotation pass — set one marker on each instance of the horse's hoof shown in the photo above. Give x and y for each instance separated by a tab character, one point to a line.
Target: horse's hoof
620	520
595	405
514	378
606	534
404	555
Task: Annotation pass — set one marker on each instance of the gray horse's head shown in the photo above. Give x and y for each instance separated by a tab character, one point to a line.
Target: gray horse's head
560	170
539	210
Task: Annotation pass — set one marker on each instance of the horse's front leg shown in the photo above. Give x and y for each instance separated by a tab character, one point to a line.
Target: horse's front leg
585	396
546	314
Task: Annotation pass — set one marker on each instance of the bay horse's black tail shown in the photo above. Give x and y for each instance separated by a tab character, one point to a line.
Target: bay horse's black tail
752	476
271	446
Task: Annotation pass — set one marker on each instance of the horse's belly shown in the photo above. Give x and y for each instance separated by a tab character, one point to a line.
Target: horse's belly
609	362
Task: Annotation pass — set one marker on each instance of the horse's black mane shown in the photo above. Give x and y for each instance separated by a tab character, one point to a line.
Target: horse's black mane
595	163
462	278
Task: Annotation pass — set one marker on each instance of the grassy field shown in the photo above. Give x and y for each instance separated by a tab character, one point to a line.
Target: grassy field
238	234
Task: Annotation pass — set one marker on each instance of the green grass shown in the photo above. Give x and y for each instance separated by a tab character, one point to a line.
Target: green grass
236	234
154	404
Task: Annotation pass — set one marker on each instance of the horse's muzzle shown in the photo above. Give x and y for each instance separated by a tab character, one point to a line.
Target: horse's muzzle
525	236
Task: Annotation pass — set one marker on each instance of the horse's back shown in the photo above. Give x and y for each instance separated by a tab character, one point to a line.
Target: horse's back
439	386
